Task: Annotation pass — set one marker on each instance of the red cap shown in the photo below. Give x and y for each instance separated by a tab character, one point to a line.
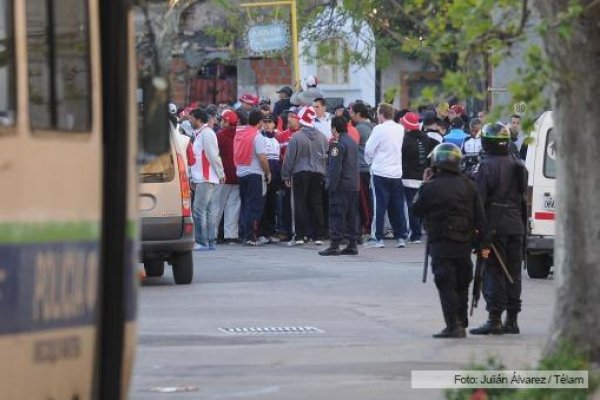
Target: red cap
230	116
410	121
249	99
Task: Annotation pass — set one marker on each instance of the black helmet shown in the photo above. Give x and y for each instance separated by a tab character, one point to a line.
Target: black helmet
446	156
495	139
287	90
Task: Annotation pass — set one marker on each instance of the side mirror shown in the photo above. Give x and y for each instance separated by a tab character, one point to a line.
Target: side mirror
154	122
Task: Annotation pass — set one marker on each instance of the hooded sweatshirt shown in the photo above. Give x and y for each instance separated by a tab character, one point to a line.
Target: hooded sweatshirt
306	152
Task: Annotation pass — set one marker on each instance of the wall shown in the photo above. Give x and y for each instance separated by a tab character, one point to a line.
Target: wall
405	75
361	79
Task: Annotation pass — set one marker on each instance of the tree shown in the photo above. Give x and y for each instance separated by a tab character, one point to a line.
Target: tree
158	34
574	49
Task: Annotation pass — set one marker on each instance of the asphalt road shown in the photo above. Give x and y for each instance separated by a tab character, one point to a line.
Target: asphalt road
373	321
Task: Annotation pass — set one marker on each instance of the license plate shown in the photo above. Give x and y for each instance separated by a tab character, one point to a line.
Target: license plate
548	203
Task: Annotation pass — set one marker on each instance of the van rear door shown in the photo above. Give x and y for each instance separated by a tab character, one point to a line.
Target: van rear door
543	180
160	198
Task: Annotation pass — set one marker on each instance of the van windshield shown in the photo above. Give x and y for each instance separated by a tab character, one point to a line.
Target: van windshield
160	169
550	156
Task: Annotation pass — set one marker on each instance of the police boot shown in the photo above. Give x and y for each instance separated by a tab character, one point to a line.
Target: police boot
332	250
351	249
453	330
492	326
510	323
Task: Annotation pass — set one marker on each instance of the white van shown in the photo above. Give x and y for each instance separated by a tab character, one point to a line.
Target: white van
166	213
541	164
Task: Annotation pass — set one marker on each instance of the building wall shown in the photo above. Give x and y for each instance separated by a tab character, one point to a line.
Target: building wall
263	76
407	76
361	79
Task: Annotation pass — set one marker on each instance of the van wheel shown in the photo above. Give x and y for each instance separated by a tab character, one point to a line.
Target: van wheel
183	267
154	268
538	265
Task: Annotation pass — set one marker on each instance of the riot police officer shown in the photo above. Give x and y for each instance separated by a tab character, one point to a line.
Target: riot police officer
453	213
342	186
501	180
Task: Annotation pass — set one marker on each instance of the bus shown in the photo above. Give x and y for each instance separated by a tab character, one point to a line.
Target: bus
68	209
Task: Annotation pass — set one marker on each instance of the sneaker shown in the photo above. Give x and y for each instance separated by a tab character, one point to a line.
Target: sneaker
233	241
389	235
274	239
414	241
212	246
201	247
263	240
375	244
251	243
318	242
299	242
400	243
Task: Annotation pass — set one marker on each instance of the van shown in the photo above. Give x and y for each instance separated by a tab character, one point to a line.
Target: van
165	207
541	164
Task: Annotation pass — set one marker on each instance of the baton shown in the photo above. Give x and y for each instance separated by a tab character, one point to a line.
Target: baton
426	263
502	264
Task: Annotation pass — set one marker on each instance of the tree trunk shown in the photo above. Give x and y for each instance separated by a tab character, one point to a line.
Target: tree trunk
575	59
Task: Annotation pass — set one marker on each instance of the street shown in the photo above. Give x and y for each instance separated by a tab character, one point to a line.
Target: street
373	318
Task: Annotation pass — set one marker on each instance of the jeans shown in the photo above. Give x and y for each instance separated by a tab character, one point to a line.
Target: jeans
389	196
413	221
205	219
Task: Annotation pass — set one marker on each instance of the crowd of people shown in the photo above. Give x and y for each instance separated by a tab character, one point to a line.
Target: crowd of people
247	161
291	171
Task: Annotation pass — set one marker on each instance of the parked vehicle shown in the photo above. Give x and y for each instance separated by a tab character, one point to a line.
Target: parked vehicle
166	215
541	164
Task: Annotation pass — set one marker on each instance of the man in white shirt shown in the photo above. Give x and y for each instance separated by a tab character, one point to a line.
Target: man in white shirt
207	173
383	151
323	119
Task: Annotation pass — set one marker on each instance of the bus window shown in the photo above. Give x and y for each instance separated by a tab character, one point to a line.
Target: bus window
7	67
59	65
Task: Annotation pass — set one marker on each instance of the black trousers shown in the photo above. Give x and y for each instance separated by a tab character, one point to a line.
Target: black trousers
308	204
366	202
452	278
268	223
498	292
343	215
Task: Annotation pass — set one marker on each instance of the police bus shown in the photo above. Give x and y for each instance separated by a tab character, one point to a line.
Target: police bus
68	147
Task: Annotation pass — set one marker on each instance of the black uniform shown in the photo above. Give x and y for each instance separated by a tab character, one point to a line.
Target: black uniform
343	187
502	183
453	212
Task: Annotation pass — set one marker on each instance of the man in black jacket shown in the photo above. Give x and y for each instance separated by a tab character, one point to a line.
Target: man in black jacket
453	213
501	180
416	147
342	186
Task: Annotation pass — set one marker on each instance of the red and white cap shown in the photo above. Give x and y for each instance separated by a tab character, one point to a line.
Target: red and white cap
249	99
230	116
307	116
410	121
